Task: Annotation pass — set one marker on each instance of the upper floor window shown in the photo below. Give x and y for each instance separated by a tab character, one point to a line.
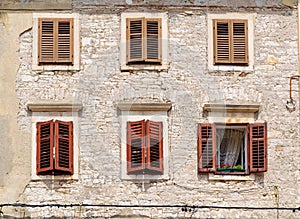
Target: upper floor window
54	147
55	41
143	40
230	42
232	148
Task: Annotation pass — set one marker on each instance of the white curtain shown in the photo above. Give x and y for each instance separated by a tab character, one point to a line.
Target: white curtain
230	143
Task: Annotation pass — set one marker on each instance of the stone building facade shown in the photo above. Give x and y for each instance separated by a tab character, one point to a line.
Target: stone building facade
101	92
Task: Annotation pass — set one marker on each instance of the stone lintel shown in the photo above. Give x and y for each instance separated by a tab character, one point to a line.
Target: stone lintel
54	106
144	106
232	108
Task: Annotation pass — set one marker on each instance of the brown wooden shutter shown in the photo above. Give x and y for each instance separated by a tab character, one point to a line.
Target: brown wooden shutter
221	41
44	139
135	43
239	41
65	40
55	40
64	146
230	41
154	135
46	40
258	147
135	146
153	40
207	147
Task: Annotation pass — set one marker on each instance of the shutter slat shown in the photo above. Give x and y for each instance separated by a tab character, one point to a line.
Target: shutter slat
64	146
154	133
258	147
206	147
135	146
44	146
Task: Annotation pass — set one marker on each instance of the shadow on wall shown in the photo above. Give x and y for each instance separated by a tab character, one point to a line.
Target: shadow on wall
6	154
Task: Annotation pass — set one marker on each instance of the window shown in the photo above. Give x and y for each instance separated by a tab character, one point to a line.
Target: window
230	41
232	148
144	41
144	147
144	141
56	42
54	147
55	139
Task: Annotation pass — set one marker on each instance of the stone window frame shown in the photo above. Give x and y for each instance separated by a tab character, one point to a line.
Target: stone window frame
250	17
45	111
136	112
76	43
164	41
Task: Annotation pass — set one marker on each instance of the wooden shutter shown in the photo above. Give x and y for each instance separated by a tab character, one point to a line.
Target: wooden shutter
55	40
143	40
46	40
239	41
154	133
135	43
64	146
44	139
230	41
206	147
135	146
258	147
153	40
65	40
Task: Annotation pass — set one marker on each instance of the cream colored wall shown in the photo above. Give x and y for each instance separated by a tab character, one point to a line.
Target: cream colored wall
15	152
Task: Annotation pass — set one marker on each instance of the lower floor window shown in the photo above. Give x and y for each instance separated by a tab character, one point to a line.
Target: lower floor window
144	147
232	148
54	147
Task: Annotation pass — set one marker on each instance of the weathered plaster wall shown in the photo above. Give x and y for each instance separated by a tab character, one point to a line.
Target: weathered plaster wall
14	146
187	84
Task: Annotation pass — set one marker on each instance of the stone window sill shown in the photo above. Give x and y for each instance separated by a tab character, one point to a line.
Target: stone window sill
250	177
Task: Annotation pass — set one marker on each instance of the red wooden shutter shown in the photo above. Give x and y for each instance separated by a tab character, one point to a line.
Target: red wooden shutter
207	147
135	146
154	135
230	41
65	40
135	39
258	147
239	41
64	146
153	40
46	40
44	139
55	40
